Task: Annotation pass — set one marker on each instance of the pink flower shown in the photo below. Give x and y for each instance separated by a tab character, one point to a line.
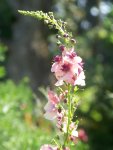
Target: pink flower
51	147
81	79
50	107
48	147
82	135
60	118
68	68
73	129
52	97
62	48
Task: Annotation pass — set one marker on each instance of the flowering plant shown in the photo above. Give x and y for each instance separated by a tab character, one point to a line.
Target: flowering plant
68	70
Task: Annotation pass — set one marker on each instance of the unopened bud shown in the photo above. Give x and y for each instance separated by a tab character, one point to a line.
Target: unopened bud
71	138
65	35
46	21
57	58
62	48
58	36
59	109
51	16
58	43
50	25
61	129
50	13
54	26
73	40
59	118
65	100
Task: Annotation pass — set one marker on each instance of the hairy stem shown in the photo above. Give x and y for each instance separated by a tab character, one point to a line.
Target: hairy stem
69	114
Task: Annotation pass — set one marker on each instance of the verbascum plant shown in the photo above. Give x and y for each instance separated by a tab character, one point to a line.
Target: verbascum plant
67	67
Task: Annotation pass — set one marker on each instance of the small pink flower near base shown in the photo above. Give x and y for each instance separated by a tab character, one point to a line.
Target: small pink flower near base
48	147
50	107
51	147
82	135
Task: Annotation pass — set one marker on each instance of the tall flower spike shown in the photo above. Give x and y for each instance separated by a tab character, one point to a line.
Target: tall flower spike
67	68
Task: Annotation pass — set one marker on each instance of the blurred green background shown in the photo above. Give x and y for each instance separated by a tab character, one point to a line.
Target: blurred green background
26	49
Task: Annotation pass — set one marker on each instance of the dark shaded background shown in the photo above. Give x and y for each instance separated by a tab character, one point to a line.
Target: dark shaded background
30	52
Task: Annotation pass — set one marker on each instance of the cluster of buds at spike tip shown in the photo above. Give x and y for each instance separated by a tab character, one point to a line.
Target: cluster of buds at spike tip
51	15
59	25
66	38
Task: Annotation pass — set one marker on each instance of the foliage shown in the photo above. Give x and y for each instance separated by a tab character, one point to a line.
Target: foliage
18	129
21	125
17	126
7	18
100	75
3	50
95	44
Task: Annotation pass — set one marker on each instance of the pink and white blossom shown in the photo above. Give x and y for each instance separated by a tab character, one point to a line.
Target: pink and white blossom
82	135
68	68
50	108
48	147
73	130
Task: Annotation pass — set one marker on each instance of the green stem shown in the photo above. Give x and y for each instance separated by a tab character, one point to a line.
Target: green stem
69	115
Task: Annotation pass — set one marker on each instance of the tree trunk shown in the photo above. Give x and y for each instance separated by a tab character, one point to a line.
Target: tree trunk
28	54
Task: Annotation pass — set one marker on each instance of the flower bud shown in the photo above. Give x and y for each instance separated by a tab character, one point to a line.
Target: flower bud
82	135
50	25
62	48
58	43
57	58
46	21
58	36
51	16
72	138
65	35
54	26
65	100
59	109
73	40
